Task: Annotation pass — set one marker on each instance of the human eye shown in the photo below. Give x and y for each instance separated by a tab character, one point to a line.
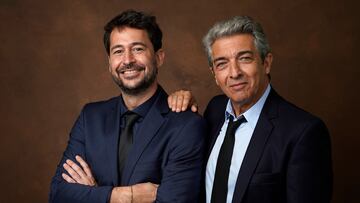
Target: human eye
246	59
220	65
118	51
138	49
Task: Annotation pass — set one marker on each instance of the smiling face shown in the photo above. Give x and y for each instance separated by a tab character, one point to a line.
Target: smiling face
239	70
132	61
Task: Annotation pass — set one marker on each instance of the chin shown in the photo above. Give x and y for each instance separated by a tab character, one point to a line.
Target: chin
240	99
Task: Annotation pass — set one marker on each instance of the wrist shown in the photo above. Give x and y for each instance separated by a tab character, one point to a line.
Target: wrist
121	195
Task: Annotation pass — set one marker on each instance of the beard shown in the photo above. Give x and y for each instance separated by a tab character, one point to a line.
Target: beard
142	85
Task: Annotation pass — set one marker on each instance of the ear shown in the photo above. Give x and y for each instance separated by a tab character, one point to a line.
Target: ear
160	56
267	63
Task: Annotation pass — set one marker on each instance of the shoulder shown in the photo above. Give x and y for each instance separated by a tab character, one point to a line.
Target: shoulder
295	113
185	129
101	106
181	118
291	117
184	118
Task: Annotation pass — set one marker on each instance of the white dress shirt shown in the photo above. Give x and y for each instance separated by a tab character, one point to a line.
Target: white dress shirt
242	138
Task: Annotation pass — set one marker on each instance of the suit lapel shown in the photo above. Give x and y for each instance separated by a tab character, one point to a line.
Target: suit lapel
149	127
256	146
112	125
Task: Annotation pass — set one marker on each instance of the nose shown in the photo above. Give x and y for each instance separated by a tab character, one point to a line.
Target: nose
235	69
128	58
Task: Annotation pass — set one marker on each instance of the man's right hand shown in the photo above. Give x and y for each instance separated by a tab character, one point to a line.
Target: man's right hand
182	100
139	193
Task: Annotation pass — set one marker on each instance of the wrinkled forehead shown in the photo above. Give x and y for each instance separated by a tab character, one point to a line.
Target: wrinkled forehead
233	42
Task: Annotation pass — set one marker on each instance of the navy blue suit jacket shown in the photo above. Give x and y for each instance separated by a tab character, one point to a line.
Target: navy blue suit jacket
170	153
288	158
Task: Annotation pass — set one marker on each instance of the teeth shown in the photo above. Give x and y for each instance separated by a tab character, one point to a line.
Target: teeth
130	71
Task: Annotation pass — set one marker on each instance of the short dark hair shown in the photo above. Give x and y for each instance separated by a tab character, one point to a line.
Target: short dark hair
135	19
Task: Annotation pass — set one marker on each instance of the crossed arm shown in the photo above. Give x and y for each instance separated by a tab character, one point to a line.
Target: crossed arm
139	193
74	180
80	174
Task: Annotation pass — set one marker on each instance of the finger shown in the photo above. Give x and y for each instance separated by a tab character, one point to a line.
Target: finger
173	102
84	165
194	108
68	178
179	102
169	100
186	101
194	105
82	177
89	179
71	172
77	169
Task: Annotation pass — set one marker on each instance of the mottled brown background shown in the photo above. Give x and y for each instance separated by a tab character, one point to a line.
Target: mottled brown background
53	62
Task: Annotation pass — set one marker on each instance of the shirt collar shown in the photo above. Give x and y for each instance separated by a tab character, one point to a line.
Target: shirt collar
143	108
253	113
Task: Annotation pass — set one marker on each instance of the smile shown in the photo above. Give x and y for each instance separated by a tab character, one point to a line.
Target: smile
238	86
131	73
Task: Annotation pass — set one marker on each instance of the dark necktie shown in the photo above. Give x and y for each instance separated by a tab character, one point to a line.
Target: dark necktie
126	139
220	185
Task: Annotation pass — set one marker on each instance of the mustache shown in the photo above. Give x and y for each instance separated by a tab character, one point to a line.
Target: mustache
130	66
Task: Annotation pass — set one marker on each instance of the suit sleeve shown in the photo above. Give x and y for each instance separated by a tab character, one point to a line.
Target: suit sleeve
60	190
181	177
309	174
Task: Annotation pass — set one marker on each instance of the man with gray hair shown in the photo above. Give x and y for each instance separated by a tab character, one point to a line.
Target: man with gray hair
261	147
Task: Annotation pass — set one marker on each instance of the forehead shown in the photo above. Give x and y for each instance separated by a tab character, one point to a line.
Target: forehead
126	36
233	43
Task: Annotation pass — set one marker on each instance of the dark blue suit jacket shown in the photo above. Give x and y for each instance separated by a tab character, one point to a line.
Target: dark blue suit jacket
170	153
288	158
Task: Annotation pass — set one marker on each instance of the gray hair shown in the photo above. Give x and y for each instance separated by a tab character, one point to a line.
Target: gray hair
233	26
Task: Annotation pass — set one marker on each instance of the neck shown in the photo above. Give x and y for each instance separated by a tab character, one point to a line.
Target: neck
133	101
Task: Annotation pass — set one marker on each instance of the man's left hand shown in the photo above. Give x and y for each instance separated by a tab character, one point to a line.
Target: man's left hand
144	192
81	175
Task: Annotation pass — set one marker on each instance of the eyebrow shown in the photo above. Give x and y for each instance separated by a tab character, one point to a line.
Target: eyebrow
218	59
244	52
237	55
132	44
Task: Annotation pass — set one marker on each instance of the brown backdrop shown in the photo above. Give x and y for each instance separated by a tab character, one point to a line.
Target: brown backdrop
53	62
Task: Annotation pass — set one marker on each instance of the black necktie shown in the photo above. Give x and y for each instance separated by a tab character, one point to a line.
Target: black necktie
220	185
126	139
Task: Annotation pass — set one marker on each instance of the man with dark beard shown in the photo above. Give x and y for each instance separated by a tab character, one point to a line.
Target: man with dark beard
132	148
